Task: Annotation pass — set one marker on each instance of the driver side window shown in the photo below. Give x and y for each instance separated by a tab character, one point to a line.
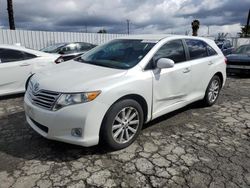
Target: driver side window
173	50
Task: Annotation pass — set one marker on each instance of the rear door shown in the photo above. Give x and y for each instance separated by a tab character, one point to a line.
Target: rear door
202	58
171	86
15	67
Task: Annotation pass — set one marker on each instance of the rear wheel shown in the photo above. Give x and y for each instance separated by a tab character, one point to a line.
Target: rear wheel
213	90
122	124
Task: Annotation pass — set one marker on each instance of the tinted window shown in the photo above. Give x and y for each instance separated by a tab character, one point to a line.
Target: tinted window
7	55
211	51
85	46
53	48
70	48
197	49
243	50
173	50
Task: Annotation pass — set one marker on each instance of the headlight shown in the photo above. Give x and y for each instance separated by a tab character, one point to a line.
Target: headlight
75	98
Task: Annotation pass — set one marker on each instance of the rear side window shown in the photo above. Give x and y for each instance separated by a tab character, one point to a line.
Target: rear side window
173	50
197	49
8	55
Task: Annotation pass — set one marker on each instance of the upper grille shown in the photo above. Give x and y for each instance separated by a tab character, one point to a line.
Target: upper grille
42	98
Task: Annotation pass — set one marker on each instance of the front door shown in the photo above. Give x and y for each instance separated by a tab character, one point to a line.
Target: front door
171	86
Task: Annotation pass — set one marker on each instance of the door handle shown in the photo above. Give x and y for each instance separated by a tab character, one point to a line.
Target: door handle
24	65
186	70
210	63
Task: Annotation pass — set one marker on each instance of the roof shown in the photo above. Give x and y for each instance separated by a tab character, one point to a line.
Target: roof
159	37
146	37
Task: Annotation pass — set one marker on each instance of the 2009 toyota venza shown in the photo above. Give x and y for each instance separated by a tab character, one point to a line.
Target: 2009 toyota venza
107	94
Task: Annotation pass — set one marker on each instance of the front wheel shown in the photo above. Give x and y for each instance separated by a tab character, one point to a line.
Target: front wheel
122	124
213	90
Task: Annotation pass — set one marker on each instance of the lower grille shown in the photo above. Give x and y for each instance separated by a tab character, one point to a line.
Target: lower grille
42	127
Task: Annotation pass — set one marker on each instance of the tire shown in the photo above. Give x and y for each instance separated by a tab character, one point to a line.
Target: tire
119	128
212	91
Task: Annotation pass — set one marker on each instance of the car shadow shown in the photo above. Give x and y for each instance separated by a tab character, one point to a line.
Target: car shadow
238	76
13	96
20	141
195	105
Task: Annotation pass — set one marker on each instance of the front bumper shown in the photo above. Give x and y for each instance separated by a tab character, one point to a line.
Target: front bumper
57	125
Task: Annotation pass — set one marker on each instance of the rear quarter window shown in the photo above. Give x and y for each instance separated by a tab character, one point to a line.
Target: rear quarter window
211	51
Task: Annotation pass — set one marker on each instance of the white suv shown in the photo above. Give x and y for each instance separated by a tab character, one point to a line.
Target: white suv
107	94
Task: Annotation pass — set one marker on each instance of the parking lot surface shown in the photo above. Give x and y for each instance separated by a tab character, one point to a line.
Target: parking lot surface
192	147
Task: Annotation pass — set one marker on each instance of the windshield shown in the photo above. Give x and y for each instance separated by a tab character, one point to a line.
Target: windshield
120	54
243	50
53	48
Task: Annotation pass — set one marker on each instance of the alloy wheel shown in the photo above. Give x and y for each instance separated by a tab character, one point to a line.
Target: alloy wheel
125	125
213	91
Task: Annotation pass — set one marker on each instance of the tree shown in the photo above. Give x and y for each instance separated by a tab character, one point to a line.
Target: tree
221	36
102	31
195	27
11	14
244	32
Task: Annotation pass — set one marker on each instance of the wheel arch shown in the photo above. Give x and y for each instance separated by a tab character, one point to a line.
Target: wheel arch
138	98
141	100
220	75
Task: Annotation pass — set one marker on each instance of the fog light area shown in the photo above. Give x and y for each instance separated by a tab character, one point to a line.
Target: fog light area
76	132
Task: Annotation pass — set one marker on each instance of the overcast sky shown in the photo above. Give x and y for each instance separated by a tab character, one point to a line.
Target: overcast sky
146	16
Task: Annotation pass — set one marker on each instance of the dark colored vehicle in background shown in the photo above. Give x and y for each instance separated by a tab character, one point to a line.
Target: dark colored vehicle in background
239	61
68	51
225	46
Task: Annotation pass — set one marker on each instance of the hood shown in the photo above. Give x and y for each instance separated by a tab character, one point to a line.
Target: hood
238	57
73	76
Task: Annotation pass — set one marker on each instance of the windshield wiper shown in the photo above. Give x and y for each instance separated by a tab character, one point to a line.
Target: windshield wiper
79	59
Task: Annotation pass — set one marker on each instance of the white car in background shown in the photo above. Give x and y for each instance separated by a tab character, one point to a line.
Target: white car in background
17	63
111	91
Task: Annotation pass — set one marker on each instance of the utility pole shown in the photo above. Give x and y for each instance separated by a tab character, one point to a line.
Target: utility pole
208	30
86	28
128	21
11	14
247	26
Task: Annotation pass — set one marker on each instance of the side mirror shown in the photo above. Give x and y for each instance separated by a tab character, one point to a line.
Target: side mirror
164	63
